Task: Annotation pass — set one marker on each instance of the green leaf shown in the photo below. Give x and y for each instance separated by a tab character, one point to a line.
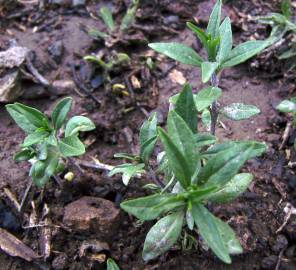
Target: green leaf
148	137
286	8
204	139
239	111
176	159
111	265
244	51
183	138
43	151
235	187
36	137
128	171
27	118
163	235
178	52
287	106
60	112
224	165
228	235
205	97
185	107
214	21
147	149
71	146
207	70
288	54
130	15
23	155
209	231
126	156
41	171
77	124
96	34
200	34
225	41
206	118
199	194
107	17
150	207
257	148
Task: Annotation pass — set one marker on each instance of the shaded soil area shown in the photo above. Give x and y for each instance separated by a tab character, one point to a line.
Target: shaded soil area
257	216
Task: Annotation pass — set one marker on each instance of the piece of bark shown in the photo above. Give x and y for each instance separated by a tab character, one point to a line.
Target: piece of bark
14	247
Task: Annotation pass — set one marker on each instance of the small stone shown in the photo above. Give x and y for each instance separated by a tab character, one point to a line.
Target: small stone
60	262
269	262
91	214
13	57
56	51
280	243
77	3
273	137
10	88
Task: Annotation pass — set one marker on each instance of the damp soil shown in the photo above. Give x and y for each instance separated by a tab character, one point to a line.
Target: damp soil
256	216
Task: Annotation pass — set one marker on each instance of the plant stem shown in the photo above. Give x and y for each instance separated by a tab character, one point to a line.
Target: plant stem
214	109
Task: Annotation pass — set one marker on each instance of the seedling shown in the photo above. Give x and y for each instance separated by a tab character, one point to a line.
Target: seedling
196	175
49	142
196	169
112	28
289	106
118	61
282	24
218	43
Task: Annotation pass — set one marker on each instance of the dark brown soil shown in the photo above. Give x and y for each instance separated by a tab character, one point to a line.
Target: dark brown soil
255	216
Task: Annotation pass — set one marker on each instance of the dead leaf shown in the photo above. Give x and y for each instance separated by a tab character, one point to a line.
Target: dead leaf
14	247
177	77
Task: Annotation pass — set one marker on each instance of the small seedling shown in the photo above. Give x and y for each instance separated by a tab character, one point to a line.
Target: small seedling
218	43
282	24
112	28
49	142
196	170
289	106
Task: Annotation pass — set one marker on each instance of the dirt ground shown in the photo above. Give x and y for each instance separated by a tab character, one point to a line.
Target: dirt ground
256	216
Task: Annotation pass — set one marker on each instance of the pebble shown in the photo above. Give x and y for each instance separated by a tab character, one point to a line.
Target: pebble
92	215
280	243
8	220
269	262
56	51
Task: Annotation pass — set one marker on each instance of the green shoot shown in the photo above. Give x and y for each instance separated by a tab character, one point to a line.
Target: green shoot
49	142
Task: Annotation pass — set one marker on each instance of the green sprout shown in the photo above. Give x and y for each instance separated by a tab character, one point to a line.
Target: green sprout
49	143
112	28
193	170
289	106
283	24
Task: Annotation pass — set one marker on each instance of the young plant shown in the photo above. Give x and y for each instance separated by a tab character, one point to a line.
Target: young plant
289	106
49	142
197	171
112	28
283	24
218	43
117	61
198	175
